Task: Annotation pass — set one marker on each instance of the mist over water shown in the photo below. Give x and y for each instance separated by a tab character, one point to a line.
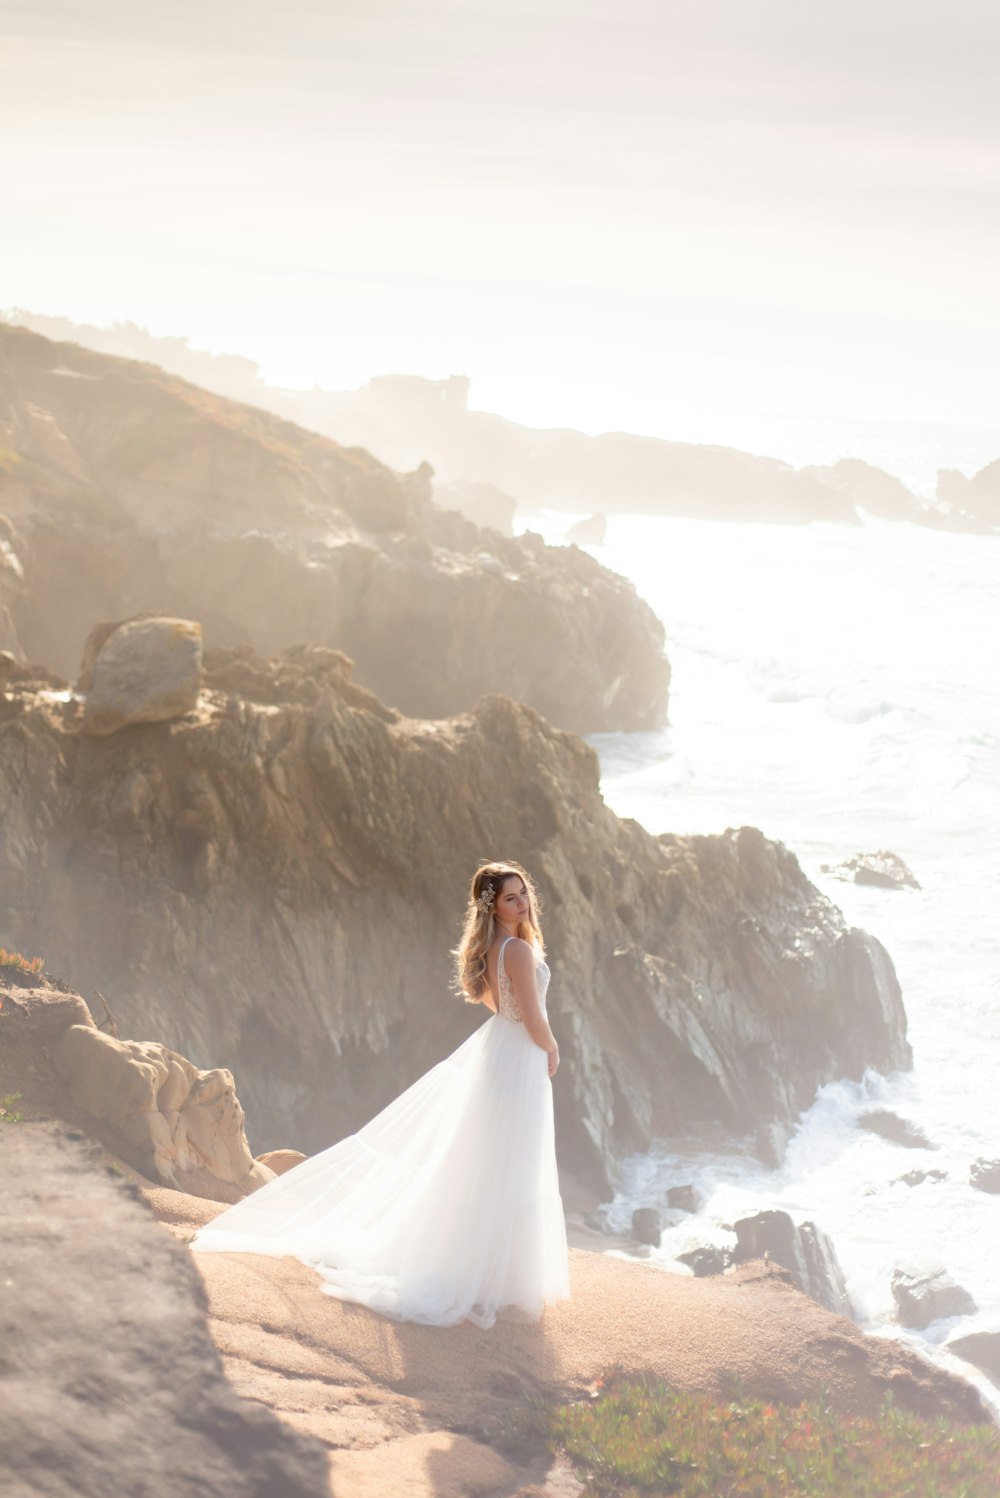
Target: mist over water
837	687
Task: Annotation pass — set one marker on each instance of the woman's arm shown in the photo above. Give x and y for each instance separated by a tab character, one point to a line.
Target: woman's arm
519	962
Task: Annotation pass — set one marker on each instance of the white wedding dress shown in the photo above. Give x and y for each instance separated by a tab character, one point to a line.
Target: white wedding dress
446	1205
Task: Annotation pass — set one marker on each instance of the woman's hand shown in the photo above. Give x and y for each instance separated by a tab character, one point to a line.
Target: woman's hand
553	1061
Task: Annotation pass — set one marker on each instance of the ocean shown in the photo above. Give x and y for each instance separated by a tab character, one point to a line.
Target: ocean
838	687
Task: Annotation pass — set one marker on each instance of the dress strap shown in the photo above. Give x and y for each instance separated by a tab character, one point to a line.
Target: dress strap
500	966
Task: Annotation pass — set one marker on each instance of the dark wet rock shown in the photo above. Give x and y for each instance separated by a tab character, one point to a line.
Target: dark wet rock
706	1260
687	1198
647	1226
985	1175
110	1382
981	1349
803	1249
889	1125
923	1296
885	869
917	1177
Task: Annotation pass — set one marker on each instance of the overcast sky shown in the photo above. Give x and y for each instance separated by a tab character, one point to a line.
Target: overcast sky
615	214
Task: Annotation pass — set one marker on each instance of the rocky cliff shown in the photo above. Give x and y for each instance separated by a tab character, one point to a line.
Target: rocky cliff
406	420
276	879
127	489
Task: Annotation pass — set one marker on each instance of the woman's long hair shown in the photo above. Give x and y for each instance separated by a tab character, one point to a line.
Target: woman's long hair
480	927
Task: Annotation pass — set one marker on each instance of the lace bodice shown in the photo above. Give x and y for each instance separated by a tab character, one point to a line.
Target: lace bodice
508	1003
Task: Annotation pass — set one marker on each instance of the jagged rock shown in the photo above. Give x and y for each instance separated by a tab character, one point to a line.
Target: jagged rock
985	1175
686	1198
280	1161
803	1249
706	1260
646	1226
270	535
241	882
178	1125
889	1125
926	1295
869	488
977	498
981	1349
141	671
917	1177
885	869
109	1382
589	532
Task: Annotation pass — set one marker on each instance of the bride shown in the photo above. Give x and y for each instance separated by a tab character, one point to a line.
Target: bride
446	1205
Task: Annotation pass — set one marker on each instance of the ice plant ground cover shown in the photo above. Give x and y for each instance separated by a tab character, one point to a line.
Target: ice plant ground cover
638	1437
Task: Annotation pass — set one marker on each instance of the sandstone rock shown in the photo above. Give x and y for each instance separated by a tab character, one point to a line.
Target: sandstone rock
646	1226
241	883
176	1124
280	1161
589	532
109	1382
985	1175
146	671
926	1295
803	1249
981	1349
885	869
897	1130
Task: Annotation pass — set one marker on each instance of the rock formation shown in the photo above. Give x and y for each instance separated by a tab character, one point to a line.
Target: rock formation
109	1382
140	671
178	1125
802	1248
926	1295
130	491
277	879
884	869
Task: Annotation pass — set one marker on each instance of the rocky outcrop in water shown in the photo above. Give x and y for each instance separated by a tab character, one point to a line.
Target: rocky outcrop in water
109	1380
802	1248
129	491
926	1295
277	880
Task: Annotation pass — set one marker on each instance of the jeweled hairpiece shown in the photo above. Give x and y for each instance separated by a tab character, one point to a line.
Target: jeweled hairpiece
484	900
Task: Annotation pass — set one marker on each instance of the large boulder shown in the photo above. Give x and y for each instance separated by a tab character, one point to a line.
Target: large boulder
141	671
177	1124
923	1295
981	1349
985	1175
803	1249
109	1381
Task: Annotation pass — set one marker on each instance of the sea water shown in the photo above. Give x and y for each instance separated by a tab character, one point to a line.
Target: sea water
838	687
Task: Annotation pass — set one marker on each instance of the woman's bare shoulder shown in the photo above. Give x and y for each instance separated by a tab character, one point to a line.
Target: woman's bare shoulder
518	953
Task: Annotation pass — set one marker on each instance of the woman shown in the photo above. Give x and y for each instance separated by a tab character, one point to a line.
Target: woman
446	1205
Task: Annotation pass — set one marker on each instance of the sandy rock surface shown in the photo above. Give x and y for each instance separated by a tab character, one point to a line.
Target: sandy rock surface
109	1382
402	1405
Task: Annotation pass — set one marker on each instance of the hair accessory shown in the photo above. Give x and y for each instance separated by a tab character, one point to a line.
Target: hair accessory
484	901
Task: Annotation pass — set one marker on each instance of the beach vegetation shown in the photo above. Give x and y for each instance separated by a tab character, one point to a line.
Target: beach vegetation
636	1437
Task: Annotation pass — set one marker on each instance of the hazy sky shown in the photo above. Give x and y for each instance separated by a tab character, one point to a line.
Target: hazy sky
609	214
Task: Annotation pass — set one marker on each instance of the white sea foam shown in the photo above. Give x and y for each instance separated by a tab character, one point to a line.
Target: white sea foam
837	687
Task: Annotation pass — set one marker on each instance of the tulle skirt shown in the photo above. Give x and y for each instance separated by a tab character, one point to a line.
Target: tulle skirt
444	1207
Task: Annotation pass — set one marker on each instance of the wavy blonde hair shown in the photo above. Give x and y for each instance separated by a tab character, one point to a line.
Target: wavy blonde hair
480	928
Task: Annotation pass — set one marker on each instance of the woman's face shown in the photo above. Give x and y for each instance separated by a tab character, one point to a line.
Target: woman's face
512	903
